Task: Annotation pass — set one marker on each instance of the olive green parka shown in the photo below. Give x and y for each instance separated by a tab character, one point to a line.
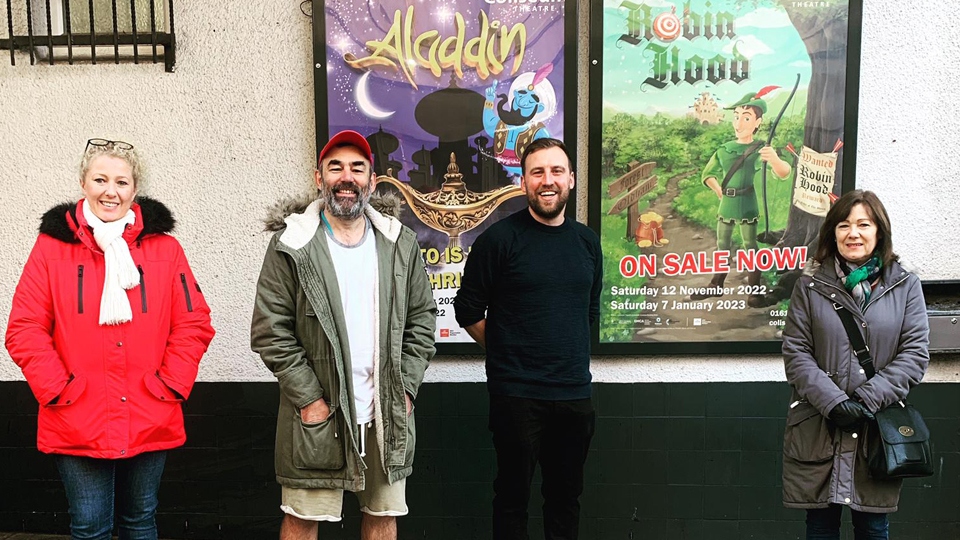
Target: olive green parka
299	331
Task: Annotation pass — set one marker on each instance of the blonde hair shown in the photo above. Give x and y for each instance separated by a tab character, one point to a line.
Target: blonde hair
131	156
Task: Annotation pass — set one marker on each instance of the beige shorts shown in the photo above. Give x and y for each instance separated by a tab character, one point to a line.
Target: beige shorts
378	499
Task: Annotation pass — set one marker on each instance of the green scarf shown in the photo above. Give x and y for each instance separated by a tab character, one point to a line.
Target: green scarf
857	280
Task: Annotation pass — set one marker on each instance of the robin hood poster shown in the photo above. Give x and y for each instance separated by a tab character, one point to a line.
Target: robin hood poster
721	130
448	93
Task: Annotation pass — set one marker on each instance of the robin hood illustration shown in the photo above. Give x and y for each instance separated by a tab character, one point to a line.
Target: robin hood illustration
741	207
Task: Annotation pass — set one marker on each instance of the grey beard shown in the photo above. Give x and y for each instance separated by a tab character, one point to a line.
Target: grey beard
345	211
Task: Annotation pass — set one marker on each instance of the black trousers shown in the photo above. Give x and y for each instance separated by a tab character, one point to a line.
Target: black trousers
557	435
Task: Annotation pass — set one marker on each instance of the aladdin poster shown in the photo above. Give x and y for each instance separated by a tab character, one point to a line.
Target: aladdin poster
722	147
448	93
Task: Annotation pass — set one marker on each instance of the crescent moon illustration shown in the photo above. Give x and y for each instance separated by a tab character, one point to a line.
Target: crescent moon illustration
365	104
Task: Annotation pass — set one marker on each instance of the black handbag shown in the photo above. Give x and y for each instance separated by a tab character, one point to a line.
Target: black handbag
902	447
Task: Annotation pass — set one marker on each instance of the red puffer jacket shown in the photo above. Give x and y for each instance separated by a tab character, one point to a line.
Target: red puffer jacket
108	391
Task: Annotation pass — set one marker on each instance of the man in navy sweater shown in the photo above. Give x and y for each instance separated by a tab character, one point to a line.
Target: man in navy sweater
529	293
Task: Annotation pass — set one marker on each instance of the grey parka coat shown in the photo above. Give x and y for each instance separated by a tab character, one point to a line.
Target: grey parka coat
821	464
299	331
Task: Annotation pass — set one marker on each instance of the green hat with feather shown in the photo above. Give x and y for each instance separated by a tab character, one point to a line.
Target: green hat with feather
754	99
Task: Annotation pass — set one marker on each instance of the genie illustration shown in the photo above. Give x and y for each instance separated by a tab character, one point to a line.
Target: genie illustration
533	101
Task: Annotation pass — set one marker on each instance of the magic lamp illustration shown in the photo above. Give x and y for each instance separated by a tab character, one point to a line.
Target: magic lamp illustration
453	209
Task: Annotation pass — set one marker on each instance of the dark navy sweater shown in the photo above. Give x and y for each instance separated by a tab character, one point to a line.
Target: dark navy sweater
539	288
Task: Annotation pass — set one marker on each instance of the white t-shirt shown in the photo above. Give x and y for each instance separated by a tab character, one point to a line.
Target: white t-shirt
356	268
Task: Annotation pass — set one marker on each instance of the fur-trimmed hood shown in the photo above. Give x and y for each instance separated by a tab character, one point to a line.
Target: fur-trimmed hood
387	204
299	217
811	267
157	219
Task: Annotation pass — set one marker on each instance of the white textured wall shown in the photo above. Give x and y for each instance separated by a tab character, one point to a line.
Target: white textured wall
232	131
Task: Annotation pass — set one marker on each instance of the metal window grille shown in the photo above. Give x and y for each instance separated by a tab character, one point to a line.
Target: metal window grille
74	31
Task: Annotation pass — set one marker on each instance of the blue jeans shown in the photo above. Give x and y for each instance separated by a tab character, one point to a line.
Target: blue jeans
93	484
824	524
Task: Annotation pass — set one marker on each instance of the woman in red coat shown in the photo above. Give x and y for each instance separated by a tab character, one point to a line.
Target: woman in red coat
108	325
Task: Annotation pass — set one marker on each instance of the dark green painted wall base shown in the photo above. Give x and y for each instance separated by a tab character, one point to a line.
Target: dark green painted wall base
669	461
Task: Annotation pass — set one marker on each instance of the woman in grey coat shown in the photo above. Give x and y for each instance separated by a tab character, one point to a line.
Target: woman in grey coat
827	434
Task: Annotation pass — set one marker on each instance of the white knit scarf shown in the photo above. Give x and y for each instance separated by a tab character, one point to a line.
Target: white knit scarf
120	273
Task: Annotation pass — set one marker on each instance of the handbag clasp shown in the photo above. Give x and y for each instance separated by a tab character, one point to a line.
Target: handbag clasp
906	431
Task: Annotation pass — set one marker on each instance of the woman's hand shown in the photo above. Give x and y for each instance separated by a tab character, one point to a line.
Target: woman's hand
850	415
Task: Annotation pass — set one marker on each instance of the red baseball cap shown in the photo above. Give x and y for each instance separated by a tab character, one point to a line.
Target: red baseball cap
348	137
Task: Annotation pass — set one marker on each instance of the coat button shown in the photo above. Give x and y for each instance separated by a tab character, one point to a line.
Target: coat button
124	452
854	435
861	371
119	344
832	295
810	285
123	399
847	500
863	324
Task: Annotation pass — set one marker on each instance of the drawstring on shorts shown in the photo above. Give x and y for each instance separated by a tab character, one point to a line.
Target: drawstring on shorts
363	438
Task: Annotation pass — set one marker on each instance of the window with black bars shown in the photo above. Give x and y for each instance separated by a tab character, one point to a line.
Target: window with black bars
91	31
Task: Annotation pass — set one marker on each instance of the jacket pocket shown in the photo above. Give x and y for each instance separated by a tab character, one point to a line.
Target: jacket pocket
186	291
80	289
318	446
143	290
808	437
70	393
71	420
159	389
411	442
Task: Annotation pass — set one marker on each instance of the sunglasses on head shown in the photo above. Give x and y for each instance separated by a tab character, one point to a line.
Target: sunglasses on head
119	145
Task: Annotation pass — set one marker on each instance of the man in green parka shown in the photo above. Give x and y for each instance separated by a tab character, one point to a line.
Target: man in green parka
730	173
345	318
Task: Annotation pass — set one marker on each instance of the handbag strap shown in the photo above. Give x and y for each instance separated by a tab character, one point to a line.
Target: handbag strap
860	349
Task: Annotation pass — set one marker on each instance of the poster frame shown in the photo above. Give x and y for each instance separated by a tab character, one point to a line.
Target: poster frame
594	167
569	111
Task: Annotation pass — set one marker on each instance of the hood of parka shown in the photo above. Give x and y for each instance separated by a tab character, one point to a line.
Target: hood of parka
387	203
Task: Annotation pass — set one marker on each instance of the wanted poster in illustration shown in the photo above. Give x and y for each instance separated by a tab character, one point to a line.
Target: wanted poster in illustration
721	148
448	93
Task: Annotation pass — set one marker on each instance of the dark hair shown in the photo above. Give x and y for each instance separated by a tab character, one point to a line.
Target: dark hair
757	111
543	144
841	210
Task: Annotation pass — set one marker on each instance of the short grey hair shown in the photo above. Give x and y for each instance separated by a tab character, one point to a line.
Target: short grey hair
131	156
